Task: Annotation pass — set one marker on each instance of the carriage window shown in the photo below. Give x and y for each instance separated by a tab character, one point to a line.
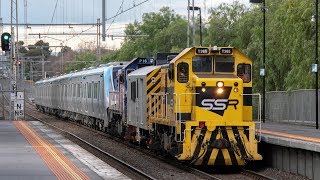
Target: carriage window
89	90
133	91
95	90
202	64
244	72
65	90
99	91
224	64
78	90
85	90
183	72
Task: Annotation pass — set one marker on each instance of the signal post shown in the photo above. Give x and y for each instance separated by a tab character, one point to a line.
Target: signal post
8	45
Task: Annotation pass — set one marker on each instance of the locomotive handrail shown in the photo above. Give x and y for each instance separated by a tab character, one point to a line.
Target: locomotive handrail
179	120
259	114
163	98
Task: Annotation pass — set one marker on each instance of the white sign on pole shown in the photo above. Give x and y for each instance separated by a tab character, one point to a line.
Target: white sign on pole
262	73
20	95
314	68
18	109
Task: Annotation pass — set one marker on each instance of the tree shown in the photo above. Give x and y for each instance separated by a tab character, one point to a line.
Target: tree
38	49
165	32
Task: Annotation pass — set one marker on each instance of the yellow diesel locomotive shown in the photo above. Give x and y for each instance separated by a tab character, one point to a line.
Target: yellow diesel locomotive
197	107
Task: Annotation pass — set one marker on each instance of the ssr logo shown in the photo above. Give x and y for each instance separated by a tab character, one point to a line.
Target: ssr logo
218	104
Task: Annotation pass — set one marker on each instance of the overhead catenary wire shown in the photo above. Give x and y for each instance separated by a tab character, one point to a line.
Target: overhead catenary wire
53	14
135	5
115	17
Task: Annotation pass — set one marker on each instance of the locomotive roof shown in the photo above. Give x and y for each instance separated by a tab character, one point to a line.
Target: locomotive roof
185	51
143	71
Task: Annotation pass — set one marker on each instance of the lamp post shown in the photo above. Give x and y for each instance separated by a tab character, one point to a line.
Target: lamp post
262	70
198	9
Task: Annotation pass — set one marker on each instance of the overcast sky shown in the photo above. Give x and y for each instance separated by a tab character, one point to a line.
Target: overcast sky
87	11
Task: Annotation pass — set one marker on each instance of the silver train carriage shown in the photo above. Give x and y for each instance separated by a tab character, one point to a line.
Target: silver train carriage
80	96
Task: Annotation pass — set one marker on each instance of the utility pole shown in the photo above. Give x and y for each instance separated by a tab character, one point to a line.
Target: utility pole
61	63
103	20
26	20
316	65
1	28
98	41
264	60
42	63
193	27
263	69
188	30
13	55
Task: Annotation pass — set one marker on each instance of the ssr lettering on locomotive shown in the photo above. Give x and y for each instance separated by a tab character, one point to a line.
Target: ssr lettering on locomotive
192	105
219	104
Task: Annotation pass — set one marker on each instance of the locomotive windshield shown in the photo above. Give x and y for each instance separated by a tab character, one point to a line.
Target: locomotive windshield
224	64
202	64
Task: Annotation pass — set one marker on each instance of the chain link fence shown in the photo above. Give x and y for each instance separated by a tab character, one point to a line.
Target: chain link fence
291	107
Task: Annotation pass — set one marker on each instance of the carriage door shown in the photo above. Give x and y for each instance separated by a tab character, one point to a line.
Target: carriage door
137	108
86	96
140	101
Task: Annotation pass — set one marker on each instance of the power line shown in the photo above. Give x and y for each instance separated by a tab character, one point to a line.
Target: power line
54	12
135	5
46	24
115	17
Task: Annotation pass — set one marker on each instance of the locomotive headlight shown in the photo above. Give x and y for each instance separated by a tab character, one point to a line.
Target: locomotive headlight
203	84
220	84
236	90
220	90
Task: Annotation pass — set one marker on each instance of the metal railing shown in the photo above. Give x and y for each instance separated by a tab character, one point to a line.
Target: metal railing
158	109
258	113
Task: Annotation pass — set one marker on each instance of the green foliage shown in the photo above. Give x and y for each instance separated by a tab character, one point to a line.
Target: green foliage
162	31
290	38
82	60
37	50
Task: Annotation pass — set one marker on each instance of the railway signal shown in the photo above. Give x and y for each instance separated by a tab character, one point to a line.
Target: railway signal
6	41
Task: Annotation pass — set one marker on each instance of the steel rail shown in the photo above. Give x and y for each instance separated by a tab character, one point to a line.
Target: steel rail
255	175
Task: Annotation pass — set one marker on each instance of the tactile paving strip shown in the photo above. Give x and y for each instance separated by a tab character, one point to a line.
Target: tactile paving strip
58	163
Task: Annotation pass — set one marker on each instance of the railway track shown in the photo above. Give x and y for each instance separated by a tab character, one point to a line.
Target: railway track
195	171
255	175
244	173
122	163
248	174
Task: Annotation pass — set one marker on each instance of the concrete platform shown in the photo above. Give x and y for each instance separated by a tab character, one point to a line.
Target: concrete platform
22	159
290	135
292	148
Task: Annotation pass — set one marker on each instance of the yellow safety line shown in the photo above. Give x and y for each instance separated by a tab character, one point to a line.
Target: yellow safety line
54	154
317	140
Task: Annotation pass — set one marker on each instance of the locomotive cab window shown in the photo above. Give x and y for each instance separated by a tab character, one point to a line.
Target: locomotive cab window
224	64
244	72
202	64
183	72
